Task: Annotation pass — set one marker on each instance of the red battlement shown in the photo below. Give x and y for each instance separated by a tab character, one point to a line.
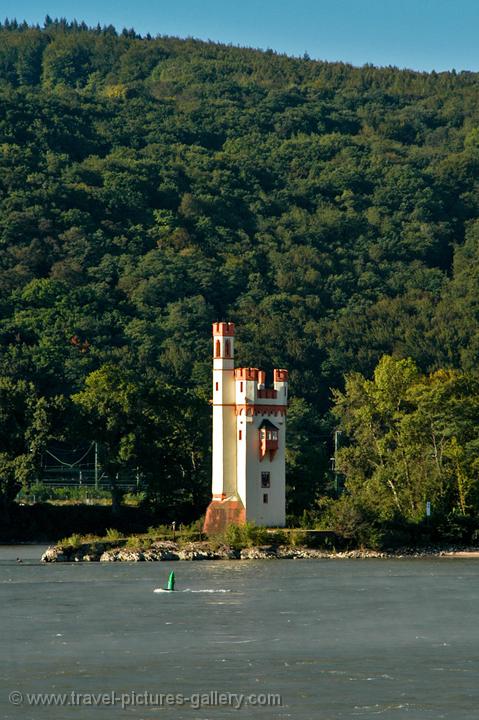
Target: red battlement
280	375
268	393
246	374
224	329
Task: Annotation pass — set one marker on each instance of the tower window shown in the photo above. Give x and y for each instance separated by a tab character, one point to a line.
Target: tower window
265	498
217	387
240	435
218	349
265	480
241	386
268	440
227	348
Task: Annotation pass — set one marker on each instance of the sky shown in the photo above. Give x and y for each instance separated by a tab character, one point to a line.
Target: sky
417	34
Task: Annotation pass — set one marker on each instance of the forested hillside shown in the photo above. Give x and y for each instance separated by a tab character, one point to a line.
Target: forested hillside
149	186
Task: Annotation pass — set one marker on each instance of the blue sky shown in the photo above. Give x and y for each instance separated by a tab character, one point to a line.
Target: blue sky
419	34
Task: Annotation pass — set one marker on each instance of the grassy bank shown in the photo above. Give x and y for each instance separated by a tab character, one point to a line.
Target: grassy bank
234	537
236	543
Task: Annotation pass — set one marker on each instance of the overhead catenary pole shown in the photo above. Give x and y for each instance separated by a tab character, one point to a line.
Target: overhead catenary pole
337	433
96	466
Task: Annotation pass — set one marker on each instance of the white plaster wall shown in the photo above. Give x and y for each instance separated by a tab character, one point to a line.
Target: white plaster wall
224	425
242	423
272	513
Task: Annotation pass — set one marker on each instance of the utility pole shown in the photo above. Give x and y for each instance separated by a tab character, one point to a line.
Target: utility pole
96	466
337	433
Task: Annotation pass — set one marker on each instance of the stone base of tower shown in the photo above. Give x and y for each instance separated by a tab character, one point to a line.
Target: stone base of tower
221	513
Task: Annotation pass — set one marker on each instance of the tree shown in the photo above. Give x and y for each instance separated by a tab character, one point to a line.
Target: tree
412	439
112	405
146	426
25	428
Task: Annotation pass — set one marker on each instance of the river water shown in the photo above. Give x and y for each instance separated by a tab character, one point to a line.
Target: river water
334	638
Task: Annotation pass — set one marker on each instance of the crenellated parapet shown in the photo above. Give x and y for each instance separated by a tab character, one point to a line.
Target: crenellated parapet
224	328
251	390
280	376
267	394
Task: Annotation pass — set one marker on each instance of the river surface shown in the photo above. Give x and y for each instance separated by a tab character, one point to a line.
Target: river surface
334	638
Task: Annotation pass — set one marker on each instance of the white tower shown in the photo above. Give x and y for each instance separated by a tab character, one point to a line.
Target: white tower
224	419
249	429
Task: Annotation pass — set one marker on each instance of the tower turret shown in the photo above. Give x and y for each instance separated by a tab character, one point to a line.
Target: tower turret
224	419
281	384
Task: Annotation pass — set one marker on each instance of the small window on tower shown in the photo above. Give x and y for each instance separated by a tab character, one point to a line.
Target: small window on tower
265	480
217	387
227	349
265	498
241	386
240	435
218	349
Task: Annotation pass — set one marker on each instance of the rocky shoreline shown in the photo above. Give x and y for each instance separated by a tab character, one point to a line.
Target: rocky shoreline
171	551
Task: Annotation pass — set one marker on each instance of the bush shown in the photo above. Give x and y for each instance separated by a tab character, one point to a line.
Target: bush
242	536
134	498
193	532
278	537
136	542
37	492
74	541
349	519
298	537
113	535
160	532
456	528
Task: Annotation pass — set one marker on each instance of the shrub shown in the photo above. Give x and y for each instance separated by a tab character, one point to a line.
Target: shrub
297	537
352	521
278	537
37	492
161	532
139	542
242	536
113	535
193	532
74	541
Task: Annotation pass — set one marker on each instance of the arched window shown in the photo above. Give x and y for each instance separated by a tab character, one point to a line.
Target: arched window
218	349
227	349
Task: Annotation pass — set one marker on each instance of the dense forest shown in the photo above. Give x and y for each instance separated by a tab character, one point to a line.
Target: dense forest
149	186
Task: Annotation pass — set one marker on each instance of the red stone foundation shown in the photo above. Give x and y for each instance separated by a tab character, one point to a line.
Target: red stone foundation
221	513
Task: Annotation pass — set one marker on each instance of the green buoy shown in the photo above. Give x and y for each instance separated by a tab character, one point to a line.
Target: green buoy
171	581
